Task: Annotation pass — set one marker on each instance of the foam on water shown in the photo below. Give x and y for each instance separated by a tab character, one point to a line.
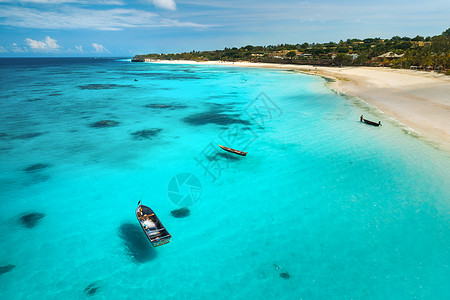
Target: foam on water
323	206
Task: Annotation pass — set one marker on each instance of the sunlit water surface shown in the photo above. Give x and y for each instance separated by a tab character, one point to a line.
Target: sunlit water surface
322	207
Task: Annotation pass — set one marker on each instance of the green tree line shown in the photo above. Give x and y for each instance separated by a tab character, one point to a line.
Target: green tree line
428	53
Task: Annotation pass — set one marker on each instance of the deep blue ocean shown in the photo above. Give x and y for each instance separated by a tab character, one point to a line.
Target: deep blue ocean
322	206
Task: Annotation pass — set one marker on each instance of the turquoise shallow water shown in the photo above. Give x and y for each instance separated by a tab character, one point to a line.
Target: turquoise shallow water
349	211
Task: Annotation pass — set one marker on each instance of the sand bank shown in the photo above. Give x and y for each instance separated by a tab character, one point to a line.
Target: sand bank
418	100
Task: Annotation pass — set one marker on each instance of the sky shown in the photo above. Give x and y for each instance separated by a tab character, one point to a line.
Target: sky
125	28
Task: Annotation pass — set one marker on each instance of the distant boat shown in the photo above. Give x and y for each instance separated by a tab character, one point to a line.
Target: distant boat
156	233
370	122
233	150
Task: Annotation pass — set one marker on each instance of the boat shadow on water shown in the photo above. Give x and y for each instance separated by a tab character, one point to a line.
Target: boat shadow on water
136	243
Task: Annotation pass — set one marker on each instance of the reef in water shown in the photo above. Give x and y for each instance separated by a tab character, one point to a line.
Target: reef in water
36	167
91	289
28	135
31	220
105	123
158	106
285	275
6	269
146	134
172	106
218	113
181	213
214	118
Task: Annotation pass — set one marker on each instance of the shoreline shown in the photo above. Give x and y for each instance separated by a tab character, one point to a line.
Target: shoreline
418	100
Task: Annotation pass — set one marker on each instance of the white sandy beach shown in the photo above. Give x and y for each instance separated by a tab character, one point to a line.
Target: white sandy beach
419	100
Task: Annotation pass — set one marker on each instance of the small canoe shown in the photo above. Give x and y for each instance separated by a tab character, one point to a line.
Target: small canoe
156	233
233	150
370	122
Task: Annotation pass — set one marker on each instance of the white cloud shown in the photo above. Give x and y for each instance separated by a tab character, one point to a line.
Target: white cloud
3	49
65	17
166	4
99	48
48	44
79	48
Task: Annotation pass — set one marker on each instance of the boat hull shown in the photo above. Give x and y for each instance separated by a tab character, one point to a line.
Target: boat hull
238	152
156	233
369	122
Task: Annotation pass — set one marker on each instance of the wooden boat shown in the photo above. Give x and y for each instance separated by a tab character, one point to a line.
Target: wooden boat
370	122
156	233
233	150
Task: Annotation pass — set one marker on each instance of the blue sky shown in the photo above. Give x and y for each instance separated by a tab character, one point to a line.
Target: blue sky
125	28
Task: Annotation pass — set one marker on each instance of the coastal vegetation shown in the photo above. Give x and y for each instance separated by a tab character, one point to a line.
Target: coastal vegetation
424	53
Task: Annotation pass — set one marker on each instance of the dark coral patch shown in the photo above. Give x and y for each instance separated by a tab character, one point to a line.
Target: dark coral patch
172	106
36	168
6	269
105	123
55	94
28	135
158	106
285	275
218	113
146	134
31	220
96	86
91	289
181	213
214	118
